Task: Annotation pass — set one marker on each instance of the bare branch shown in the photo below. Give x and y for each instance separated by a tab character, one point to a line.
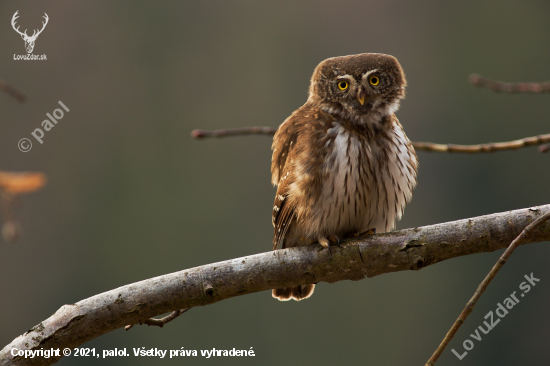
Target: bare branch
500	86
198	134
483	148
7	88
74	324
483	286
424	146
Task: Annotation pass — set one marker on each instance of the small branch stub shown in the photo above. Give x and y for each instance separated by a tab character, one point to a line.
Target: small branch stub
160	322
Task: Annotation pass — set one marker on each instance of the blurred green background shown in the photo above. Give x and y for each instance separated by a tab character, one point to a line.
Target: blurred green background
131	195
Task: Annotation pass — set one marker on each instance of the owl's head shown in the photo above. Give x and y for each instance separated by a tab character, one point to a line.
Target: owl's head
359	84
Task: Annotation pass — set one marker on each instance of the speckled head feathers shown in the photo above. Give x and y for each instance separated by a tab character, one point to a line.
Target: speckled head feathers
358	83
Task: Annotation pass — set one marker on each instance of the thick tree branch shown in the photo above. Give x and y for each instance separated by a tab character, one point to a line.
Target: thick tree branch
74	324
500	86
425	146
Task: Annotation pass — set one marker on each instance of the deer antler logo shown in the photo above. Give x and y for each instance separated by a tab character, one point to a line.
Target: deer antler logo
29	41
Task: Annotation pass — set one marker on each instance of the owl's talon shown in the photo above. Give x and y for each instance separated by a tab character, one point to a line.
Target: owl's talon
334	238
368	232
324	242
323	247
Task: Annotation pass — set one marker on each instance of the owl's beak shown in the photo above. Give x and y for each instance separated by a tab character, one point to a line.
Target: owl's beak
361	96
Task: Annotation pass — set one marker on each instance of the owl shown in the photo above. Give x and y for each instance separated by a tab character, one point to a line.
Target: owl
342	163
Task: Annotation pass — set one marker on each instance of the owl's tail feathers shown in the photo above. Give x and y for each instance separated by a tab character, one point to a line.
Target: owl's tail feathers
297	293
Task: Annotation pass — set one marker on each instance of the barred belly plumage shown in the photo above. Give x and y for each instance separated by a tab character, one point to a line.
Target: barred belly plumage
366	186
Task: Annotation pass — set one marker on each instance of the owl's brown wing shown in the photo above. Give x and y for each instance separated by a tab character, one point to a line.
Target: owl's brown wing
284	142
283	209
282	176
298	146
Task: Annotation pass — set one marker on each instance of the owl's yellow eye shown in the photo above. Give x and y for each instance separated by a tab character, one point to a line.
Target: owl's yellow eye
374	80
343	85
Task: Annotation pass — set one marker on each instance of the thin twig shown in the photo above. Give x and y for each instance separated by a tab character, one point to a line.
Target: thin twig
483	148
5	87
160	322
500	86
233	132
483	286
424	146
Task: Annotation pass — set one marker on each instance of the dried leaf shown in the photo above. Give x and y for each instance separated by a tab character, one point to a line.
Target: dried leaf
21	182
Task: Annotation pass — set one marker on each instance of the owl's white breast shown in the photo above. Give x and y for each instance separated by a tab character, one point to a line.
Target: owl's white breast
368	181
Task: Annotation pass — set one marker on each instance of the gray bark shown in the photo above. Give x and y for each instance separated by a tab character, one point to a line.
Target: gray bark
74	324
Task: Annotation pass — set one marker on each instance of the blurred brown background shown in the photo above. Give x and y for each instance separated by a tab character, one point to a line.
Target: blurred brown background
131	195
